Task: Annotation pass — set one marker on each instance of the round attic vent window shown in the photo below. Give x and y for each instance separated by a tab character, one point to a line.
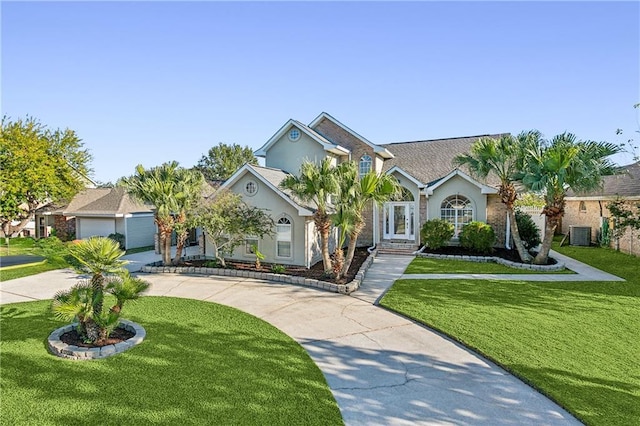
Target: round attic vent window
294	135
251	188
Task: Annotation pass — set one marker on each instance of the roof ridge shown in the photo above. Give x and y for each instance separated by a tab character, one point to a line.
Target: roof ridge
448	139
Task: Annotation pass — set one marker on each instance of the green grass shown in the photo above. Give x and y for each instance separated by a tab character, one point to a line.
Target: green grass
575	341
427	265
139	249
12	273
18	246
201	363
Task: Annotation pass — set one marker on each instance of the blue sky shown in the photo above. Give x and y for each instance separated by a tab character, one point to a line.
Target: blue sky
149	82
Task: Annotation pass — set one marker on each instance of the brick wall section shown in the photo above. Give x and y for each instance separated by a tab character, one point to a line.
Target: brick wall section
65	227
590	216
338	135
497	218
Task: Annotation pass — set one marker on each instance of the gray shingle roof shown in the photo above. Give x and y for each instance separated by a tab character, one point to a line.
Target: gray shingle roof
275	177
624	184
105	201
430	160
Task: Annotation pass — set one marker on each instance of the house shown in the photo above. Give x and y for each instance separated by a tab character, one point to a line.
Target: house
100	212
432	188
590	209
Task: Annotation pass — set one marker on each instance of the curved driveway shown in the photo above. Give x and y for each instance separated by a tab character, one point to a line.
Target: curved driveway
382	368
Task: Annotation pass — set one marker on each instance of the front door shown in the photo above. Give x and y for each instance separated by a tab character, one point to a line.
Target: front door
399	221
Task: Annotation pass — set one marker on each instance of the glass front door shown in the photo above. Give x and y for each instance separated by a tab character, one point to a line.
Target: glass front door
399	221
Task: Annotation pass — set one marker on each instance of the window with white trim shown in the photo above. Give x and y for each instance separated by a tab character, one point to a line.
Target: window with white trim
458	211
251	188
249	244
365	165
283	237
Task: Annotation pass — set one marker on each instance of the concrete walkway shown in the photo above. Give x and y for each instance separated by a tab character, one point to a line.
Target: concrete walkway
382	369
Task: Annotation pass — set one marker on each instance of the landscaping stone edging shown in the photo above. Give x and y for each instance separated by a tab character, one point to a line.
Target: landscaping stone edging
483	259
350	287
63	350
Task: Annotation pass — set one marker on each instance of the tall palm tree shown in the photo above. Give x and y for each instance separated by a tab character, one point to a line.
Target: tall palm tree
501	157
100	257
551	168
316	183
174	191
355	194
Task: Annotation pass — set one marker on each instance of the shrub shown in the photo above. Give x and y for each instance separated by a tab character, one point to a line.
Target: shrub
529	231
436	233
119	238
278	269
477	236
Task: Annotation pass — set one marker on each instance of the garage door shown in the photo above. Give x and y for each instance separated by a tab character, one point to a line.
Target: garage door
93	227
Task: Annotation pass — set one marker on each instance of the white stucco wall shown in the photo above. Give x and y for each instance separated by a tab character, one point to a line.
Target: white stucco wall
288	155
460	186
267	199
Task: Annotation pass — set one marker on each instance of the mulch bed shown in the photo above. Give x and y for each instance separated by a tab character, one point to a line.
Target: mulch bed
118	335
315	272
503	253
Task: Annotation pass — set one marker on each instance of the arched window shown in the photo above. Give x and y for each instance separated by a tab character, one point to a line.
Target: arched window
365	165
457	210
583	207
283	237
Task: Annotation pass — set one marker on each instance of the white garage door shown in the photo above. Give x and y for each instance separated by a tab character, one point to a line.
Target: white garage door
95	227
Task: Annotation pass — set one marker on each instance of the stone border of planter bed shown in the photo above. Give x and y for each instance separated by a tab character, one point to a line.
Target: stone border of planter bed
559	266
63	350
350	287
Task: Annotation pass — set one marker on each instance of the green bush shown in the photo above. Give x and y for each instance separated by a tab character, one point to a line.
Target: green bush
529	231
118	238
278	269
477	236
436	233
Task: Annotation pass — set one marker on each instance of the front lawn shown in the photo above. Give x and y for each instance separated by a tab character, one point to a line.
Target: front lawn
201	363
427	265
575	341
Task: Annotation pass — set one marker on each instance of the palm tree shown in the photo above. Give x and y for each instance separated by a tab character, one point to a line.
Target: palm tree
355	194
501	157
100	257
551	168
125	288
316	183
174	191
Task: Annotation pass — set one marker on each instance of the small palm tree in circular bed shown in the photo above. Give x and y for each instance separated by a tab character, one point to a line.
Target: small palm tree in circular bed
101	257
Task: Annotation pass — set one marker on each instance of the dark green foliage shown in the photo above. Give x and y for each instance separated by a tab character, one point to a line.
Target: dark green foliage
529	231
119	238
478	236
223	160
278	269
436	233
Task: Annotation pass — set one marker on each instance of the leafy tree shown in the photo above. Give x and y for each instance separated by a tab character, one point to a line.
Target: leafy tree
39	166
223	160
174	191
101	257
354	195
501	157
552	167
315	184
227	220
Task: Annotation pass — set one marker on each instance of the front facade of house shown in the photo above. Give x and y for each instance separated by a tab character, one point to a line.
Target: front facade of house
100	212
590	209
432	188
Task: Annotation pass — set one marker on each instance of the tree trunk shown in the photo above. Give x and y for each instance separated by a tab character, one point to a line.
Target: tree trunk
351	250
324	225
338	263
513	225
550	225
92	331
166	252
98	293
182	238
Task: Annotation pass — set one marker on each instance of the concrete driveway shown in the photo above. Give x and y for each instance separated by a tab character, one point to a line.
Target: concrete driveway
382	369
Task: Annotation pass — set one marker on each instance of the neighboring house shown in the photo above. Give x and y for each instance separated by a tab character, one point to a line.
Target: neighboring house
100	212
432	188
590	209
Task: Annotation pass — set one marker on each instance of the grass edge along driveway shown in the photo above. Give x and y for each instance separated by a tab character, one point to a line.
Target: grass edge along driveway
574	341
201	363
